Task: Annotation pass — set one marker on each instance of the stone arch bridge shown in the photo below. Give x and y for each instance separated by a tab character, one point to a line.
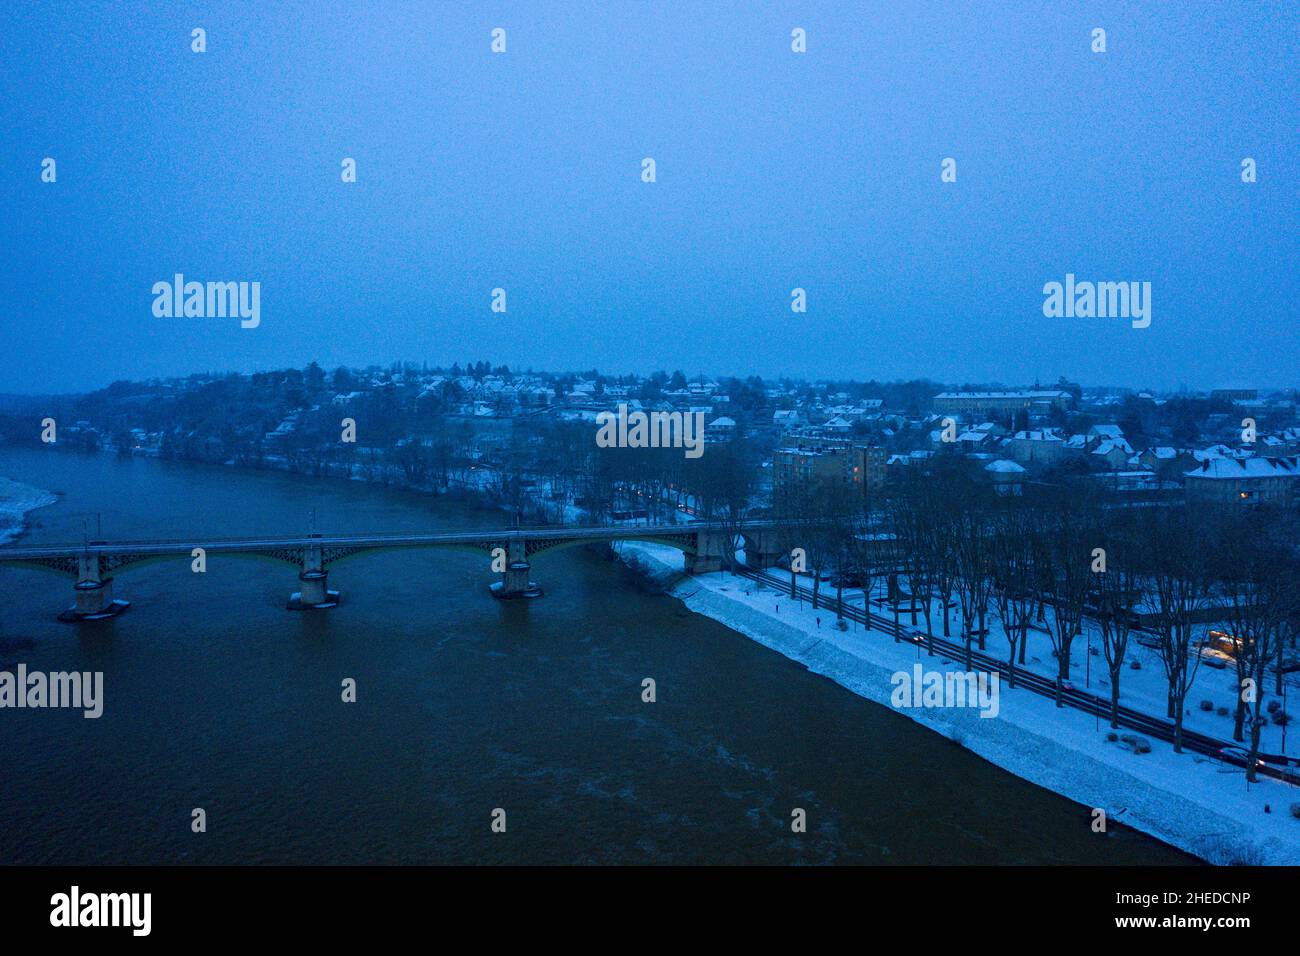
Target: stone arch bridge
92	566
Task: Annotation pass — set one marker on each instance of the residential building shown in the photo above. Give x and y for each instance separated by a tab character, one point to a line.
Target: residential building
1271	481
983	404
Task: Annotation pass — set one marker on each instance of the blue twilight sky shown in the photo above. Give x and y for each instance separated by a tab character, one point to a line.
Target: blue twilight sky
775	170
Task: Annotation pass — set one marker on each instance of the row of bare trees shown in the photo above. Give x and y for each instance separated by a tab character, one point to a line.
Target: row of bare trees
1057	559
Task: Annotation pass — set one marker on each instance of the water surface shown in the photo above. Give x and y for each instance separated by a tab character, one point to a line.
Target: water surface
217	697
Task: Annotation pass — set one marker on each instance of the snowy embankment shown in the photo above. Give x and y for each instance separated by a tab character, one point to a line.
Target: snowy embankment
16	500
1198	804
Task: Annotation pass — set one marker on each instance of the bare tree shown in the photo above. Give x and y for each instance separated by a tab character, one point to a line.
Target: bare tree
792	509
1069	535
829	522
1181	583
1117	593
724	480
971	543
913	513
1255	572
1012	567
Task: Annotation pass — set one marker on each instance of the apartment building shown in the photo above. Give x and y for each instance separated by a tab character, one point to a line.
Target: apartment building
1271	481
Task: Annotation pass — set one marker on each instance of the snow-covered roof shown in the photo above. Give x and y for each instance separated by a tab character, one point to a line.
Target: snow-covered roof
1004	467
1106	431
1033	393
1236	468
1110	445
1215	451
1036	435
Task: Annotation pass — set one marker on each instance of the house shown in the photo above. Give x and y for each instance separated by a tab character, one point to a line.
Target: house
721	428
787	418
285	429
1128	480
1111	454
1038	447
1106	432
976	439
1166	462
1271	481
1007	477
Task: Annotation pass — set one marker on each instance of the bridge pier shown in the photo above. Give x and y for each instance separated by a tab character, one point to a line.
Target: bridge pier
315	594
710	551
514	581
703	564
93	593
761	551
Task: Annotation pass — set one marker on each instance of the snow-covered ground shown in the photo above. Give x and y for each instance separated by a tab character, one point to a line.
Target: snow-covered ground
1142	688
1198	804
16	500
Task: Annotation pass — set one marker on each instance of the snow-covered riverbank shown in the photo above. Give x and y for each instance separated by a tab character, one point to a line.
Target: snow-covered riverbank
1195	803
16	500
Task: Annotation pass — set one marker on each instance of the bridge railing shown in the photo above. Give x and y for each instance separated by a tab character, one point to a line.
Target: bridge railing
253	542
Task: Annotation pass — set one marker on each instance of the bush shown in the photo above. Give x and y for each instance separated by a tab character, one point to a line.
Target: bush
1221	850
1222	712
1207	705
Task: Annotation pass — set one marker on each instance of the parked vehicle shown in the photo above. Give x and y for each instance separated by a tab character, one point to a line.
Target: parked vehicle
1239	756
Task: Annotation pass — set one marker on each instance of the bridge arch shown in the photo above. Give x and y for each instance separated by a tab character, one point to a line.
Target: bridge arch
483	549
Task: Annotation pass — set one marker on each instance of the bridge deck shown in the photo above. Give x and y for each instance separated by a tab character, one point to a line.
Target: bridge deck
468	537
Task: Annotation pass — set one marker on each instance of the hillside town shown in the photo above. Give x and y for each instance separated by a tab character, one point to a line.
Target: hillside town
441	429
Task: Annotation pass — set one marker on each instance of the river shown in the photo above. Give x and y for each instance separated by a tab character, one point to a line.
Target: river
218	698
